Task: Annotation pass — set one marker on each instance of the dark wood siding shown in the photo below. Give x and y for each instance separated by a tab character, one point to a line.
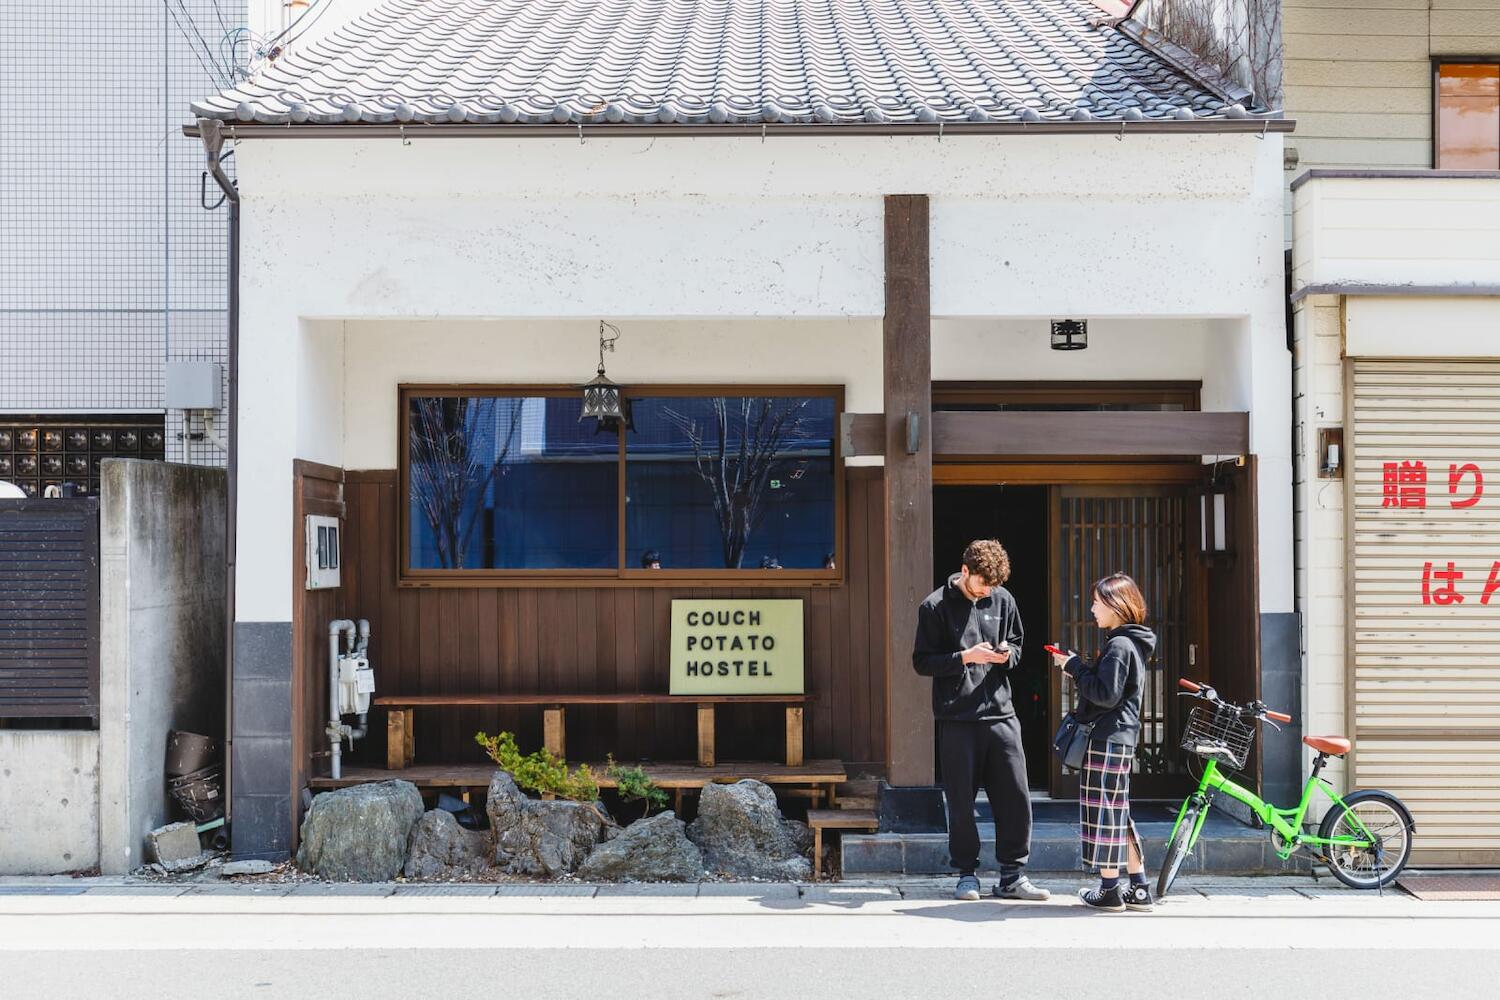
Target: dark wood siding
49	608
607	639
318	489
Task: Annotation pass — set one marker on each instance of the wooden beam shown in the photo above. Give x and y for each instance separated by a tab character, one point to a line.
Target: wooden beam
395	740
1145	432
907	367
554	736
1061	434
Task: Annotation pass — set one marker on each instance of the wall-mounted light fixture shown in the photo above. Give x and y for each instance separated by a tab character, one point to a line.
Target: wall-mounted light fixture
1214	517
1070	334
601	397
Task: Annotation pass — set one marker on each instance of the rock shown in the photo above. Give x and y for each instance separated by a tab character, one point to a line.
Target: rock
360	833
536	837
176	844
253	867
187	864
741	833
655	849
440	848
801	834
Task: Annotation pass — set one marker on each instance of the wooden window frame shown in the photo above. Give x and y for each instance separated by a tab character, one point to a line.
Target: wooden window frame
624	574
1438	62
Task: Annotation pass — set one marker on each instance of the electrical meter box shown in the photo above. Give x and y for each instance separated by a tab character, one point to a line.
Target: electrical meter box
322	552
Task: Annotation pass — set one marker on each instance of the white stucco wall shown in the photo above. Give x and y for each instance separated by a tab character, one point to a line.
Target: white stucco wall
671	238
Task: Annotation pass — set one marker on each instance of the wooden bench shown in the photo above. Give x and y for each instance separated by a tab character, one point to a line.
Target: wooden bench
400	727
836	819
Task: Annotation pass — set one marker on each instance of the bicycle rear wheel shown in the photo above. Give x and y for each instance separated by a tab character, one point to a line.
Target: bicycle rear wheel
1177	848
1387	820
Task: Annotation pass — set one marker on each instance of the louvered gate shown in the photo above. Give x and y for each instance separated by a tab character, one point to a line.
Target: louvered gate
49	608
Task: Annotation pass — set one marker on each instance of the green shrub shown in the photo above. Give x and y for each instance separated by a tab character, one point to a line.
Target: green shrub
634	784
540	771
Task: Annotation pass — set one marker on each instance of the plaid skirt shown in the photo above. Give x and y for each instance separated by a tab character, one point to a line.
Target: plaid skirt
1104	806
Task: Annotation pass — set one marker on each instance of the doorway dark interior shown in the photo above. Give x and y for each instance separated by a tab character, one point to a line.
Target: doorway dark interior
1018	516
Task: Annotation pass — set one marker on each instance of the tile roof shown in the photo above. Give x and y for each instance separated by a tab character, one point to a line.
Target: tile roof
713	62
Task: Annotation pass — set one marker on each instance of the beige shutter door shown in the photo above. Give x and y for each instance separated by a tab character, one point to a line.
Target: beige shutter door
1426	673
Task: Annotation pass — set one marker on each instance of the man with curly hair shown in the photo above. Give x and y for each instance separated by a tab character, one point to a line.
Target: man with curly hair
968	637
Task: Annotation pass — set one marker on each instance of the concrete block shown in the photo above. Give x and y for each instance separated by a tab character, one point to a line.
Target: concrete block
251	867
868	853
928	855
173	842
49	801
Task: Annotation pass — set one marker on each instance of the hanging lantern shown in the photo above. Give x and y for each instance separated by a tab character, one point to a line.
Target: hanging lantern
601	397
1070	334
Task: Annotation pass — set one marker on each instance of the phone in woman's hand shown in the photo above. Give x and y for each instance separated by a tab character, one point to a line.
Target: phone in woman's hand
1053	649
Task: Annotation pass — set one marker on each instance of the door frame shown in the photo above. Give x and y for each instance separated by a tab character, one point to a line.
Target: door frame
1101	473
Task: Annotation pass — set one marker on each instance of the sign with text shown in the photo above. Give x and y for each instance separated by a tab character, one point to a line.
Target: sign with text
737	647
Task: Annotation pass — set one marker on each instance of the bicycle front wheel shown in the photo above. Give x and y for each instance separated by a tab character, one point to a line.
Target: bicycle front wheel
1177	849
1368	814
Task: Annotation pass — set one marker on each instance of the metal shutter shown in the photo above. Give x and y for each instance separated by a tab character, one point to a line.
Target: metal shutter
1426	676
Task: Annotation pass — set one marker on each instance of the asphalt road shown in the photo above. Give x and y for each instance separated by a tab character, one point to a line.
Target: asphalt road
1242	940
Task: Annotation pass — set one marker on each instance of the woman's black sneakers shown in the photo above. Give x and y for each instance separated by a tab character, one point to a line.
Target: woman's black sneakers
1138	897
1110	900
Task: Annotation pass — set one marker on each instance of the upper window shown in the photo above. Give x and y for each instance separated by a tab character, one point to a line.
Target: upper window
703	483
1468	116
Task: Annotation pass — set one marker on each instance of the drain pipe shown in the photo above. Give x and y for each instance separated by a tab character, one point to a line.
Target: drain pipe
211	132
361	648
336	728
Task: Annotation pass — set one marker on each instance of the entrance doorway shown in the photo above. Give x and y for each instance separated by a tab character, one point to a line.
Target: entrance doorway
1061	537
1018	516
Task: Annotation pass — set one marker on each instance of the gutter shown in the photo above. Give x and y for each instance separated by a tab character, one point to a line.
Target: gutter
462	130
212	134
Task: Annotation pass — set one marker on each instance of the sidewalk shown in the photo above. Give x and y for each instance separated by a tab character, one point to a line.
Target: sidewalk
852	940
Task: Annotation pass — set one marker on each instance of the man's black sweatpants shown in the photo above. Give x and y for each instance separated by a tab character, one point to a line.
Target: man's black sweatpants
988	754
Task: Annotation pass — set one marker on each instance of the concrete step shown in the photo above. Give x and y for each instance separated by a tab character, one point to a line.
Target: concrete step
1225	847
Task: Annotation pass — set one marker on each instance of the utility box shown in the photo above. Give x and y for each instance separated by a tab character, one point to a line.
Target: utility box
194	385
322	552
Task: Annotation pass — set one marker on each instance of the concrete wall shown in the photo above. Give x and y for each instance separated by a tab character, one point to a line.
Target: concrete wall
49	801
162	622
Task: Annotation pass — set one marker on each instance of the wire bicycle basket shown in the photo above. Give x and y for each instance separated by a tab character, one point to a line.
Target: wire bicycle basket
1218	733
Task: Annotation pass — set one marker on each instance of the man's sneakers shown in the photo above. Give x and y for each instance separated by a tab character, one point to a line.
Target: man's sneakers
1138	897
1021	889
968	888
1110	900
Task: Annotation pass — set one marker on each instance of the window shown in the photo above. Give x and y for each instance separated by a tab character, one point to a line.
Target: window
704	483
1467	122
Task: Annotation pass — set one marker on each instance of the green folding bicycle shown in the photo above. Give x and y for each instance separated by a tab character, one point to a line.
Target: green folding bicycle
1365	838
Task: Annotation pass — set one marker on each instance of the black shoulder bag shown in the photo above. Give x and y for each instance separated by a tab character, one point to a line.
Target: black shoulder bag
1072	741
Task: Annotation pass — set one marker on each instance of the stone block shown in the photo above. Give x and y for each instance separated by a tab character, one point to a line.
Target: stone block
173	844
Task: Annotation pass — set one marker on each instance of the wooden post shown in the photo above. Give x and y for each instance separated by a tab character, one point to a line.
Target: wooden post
395	739
794	736
410	727
554	737
907	364
706	753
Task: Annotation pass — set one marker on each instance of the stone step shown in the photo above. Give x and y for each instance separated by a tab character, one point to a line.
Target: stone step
1225	847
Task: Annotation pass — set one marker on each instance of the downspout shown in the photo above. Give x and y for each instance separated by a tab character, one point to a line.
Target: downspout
212	134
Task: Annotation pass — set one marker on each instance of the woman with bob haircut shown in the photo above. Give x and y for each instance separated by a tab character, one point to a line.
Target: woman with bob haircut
1109	699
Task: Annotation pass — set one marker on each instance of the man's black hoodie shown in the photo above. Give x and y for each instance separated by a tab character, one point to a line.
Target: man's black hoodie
948	623
1109	690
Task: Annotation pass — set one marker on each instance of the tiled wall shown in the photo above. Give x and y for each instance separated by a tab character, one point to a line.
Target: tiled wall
109	266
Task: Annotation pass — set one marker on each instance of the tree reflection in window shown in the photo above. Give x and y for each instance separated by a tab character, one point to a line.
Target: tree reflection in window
458	445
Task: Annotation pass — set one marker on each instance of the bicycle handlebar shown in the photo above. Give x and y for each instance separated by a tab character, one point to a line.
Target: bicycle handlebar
1255	709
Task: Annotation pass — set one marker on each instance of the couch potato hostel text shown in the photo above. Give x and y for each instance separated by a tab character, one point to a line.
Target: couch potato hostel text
737	647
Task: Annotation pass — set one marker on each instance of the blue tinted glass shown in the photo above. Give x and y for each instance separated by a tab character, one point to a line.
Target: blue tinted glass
510	483
731	482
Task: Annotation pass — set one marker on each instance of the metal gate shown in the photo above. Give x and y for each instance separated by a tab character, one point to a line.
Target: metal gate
49	608
1424	616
